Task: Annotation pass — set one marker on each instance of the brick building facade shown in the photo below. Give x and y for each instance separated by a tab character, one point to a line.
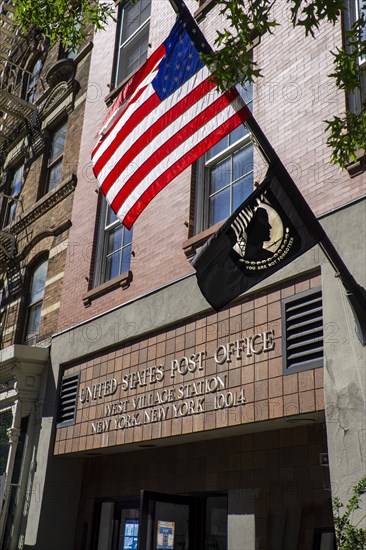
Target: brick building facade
235	440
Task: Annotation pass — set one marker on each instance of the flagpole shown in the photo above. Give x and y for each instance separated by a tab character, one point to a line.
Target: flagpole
355	293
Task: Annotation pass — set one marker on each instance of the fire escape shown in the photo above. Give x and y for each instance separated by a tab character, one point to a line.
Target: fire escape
16	114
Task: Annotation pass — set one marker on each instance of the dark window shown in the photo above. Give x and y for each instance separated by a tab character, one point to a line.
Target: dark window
324	539
302	329
133	38
226	171
114	252
6	419
67	404
32	81
35	302
12	195
55	157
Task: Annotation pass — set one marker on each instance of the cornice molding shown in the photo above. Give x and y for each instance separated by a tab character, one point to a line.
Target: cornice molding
45	204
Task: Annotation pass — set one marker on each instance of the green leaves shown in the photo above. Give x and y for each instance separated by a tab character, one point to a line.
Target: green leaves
65	21
232	62
346	137
311	14
350	536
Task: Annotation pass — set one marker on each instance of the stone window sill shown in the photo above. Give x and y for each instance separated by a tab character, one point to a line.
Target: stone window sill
122	281
191	245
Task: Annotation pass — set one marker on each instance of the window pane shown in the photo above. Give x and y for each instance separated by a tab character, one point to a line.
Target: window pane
126	259
237	134
113	266
220	175
16	182
54	176
115	240
242	162
110	217
58	143
246	93
133	55
242	190
216	149
219	207
36	291
34	320
134	15
33	80
12	210
133	51
127	236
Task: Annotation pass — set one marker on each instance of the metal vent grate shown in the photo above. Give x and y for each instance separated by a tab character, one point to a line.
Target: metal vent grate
68	399
302	317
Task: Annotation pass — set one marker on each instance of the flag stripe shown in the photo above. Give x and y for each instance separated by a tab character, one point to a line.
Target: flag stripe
140	202
107	140
139	79
137	116
109	156
165	144
145	140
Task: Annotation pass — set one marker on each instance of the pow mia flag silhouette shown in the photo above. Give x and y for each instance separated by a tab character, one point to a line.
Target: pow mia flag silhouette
264	234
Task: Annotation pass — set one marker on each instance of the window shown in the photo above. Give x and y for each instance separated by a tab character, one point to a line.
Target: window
116	246
356	10
133	38
55	157
6	419
35	301
12	200
227	172
32	82
302	329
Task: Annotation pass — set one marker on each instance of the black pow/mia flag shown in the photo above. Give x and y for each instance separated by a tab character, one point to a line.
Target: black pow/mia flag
264	234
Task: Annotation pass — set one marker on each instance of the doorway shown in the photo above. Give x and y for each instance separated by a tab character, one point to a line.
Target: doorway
169	522
161	521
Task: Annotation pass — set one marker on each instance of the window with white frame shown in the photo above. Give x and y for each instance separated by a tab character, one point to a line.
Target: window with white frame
226	172
355	10
55	157
114	253
35	301
133	38
12	196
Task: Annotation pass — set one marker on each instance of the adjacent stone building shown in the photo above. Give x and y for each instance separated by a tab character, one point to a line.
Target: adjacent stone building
43	92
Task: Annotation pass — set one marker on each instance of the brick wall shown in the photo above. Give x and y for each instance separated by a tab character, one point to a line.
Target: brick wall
290	103
43	214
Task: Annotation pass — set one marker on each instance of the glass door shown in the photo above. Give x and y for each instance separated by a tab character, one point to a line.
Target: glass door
169	522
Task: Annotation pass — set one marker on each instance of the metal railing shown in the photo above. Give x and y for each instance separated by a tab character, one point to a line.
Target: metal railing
14	110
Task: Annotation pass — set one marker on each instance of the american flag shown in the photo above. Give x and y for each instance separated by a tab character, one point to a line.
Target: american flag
167	116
